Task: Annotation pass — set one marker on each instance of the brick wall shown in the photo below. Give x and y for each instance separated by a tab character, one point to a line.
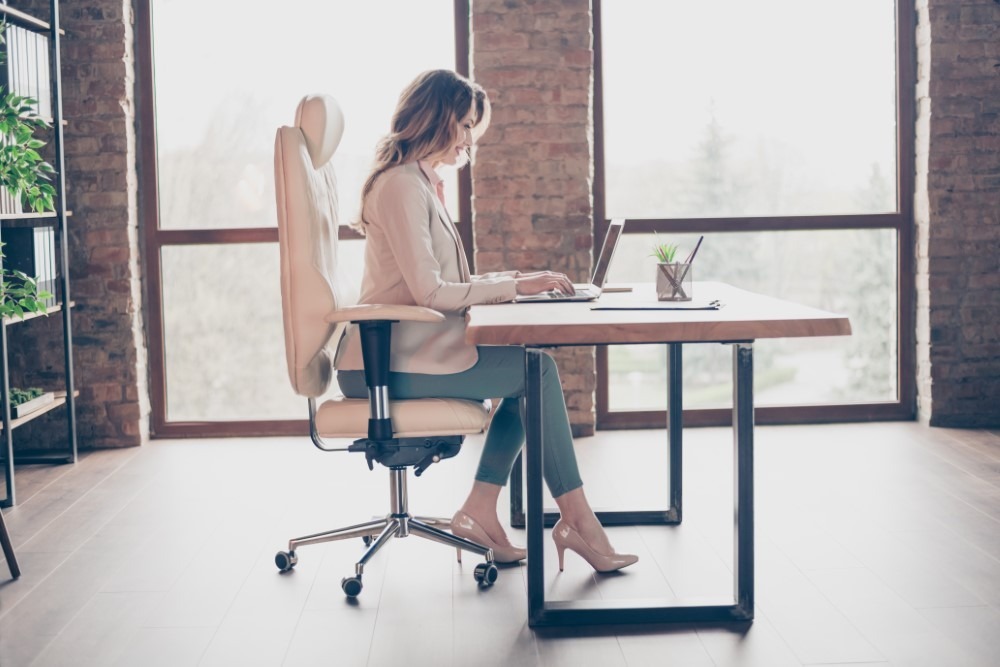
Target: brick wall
532	199
957	211
98	103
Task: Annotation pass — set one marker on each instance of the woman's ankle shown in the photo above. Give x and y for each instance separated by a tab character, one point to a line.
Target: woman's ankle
481	507
482	500
575	510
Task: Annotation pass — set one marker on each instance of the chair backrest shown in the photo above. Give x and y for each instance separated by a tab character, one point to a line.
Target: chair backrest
306	194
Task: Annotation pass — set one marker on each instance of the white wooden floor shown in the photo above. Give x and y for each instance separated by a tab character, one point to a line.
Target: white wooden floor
877	544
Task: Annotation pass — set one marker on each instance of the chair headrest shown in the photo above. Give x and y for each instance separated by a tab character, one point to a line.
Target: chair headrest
306	198
322	123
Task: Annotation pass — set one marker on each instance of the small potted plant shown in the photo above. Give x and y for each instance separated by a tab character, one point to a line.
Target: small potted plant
25	401
673	279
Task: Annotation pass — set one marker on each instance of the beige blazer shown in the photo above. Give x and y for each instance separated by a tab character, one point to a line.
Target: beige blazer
414	256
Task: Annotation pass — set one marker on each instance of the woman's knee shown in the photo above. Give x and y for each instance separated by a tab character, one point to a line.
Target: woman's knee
550	370
509	405
549	366
352	384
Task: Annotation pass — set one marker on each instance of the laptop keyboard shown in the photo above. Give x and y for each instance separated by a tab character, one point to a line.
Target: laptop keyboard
580	291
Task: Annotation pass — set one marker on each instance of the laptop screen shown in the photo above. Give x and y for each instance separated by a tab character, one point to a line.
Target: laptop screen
607	252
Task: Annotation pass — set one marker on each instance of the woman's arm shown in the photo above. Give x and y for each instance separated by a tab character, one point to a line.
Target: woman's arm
497	274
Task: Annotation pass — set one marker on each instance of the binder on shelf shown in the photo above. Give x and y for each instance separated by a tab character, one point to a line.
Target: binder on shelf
43	68
26	71
31	250
8	202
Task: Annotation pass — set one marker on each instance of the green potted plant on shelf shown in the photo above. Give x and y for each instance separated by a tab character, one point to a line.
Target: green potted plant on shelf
25	401
25	175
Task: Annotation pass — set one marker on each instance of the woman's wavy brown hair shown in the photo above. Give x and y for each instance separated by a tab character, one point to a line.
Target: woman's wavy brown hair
426	122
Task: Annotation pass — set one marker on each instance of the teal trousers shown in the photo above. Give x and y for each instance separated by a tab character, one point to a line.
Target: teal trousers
499	373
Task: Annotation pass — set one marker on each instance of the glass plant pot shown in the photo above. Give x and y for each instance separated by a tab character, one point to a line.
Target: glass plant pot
674	282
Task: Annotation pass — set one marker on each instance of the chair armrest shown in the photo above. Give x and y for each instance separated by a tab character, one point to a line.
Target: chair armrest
384	312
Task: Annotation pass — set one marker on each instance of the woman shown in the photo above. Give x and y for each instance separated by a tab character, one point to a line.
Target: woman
414	256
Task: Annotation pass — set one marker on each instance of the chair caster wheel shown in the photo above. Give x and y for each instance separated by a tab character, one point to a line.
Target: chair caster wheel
285	560
486	574
351	586
367	539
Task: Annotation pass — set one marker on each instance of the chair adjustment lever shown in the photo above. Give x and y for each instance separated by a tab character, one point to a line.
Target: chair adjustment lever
432	458
442	447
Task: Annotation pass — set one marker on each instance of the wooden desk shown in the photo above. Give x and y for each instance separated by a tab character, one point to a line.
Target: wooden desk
744	318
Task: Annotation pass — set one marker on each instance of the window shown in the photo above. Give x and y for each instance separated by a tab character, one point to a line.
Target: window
776	129
226	77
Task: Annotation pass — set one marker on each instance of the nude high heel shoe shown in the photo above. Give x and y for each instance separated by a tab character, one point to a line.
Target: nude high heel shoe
463	525
566	537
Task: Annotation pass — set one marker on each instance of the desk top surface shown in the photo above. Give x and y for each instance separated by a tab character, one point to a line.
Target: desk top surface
745	316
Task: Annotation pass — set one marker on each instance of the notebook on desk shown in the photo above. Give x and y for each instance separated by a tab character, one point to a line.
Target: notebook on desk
592	291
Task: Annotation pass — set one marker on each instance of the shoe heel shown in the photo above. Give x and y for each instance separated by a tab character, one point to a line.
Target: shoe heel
464	526
566	537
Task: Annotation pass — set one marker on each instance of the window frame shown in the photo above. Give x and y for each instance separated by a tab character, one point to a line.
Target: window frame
153	239
901	222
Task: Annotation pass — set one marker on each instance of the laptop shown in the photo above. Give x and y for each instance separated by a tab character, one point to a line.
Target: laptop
592	291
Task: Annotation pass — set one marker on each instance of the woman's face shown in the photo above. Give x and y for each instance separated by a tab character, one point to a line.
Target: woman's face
458	151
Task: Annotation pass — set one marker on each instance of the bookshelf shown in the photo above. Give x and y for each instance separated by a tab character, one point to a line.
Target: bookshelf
36	243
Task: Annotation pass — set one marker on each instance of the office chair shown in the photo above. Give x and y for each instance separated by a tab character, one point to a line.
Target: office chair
315	309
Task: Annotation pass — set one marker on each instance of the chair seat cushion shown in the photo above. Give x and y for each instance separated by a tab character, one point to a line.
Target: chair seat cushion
348	417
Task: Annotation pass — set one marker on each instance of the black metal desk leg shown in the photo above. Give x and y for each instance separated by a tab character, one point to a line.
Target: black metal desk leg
743	546
533	463
675	426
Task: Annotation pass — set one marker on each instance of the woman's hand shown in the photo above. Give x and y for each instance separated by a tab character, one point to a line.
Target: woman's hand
543	281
